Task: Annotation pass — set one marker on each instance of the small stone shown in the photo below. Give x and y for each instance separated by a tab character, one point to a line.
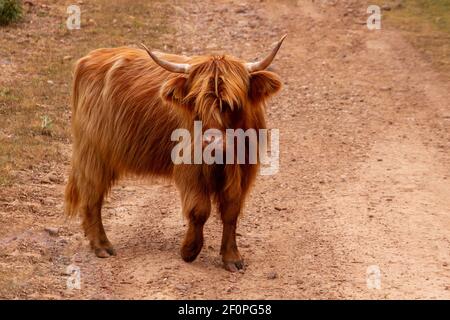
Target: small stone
181	287
272	275
51	177
67	58
52	231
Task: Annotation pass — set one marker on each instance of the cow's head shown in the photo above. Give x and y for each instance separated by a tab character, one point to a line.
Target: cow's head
221	91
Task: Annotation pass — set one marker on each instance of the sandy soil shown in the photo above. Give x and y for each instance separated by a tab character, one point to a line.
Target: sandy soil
364	178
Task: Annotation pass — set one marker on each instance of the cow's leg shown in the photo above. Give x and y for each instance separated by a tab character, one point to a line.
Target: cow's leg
229	212
93	181
197	208
94	230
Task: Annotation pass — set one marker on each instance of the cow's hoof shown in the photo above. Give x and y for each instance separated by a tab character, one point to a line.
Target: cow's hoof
190	251
234	266
105	252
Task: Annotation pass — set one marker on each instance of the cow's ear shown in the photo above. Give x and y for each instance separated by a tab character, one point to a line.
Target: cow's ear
174	90
263	84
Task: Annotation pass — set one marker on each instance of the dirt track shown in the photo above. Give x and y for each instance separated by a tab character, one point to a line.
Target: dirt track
364	177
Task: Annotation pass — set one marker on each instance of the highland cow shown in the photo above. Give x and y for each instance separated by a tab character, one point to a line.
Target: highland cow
125	105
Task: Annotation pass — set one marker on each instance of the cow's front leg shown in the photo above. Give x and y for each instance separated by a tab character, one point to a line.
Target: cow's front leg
197	208
229	211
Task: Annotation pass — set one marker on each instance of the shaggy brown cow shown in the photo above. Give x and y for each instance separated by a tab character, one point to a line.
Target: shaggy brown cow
126	106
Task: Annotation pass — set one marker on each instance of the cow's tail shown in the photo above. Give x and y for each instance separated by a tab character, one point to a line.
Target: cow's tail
76	87
72	197
72	193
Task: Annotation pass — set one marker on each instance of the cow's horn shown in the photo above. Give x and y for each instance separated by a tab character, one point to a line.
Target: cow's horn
263	64
169	66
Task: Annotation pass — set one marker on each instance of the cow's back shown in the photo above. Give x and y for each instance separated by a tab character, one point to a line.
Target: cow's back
116	110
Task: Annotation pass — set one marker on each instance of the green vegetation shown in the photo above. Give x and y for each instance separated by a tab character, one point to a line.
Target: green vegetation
426	24
46	125
35	85
423	14
10	11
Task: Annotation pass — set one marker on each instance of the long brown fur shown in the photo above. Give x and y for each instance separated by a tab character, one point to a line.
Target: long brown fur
124	109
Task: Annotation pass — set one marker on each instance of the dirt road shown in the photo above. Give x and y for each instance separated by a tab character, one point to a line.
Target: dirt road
364	178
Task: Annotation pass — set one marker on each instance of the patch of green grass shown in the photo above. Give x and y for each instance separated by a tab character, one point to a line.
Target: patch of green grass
7	95
46	125
10	11
437	12
35	106
9	99
426	24
416	15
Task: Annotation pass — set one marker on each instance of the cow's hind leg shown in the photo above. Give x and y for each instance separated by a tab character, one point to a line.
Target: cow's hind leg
94	230
229	212
94	180
197	208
